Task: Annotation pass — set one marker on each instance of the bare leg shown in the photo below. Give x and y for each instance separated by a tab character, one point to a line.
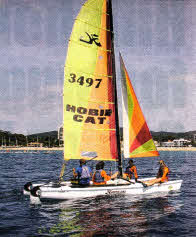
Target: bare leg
125	176
152	182
114	175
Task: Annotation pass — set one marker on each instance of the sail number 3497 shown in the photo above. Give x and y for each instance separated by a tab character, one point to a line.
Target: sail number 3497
84	81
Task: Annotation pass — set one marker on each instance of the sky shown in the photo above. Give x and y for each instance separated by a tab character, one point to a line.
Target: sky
157	40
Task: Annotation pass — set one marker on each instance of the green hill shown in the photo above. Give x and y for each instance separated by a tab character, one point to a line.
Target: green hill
50	138
165	136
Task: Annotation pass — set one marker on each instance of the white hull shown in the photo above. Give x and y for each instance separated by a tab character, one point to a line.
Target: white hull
116	187
26	191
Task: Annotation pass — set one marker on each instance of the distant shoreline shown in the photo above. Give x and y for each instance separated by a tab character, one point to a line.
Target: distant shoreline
61	149
31	149
176	148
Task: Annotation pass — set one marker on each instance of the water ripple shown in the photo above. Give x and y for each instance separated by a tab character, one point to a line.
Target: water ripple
160	214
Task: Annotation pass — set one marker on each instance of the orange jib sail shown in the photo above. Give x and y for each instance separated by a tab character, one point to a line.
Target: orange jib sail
138	141
89	104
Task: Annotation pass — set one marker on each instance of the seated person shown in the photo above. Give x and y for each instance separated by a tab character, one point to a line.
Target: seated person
130	170
83	173
100	177
162	175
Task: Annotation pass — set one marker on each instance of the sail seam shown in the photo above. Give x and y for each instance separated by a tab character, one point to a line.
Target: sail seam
101	129
97	102
91	74
101	102
95	9
100	28
89	158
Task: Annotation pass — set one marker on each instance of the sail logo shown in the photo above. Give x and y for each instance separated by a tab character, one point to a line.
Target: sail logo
92	38
94	116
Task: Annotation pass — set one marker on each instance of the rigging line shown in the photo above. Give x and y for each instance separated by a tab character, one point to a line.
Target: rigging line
115	92
128	180
62	172
88	46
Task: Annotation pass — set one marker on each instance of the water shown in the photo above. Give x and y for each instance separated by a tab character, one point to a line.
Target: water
170	214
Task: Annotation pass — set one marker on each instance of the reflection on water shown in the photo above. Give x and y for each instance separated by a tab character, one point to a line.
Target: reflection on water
156	215
108	216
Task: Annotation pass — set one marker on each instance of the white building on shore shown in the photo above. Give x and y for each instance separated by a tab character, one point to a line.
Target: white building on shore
167	144
60	135
176	143
194	137
181	142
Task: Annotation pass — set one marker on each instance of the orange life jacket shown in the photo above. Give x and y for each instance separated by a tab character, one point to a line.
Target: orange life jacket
131	170
163	174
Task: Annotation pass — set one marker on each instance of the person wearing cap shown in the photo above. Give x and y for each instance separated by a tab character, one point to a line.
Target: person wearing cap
83	173
130	170
162	175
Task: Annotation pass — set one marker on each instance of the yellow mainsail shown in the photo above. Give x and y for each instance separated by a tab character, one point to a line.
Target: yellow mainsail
89	101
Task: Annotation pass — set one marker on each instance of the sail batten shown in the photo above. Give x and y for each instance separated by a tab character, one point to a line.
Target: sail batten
85	22
138	141
96	75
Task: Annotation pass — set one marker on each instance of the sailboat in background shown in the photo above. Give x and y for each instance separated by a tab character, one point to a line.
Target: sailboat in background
90	109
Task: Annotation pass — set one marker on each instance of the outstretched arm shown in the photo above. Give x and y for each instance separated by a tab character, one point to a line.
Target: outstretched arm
104	174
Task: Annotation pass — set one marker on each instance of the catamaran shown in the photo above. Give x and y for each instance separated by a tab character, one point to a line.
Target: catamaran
90	110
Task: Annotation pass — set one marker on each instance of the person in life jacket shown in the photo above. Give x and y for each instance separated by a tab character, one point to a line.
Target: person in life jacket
100	176
162	175
83	173
130	170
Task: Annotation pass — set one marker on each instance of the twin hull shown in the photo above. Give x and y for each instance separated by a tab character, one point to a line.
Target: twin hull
116	187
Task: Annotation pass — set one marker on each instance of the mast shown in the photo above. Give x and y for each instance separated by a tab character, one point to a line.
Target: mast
115	88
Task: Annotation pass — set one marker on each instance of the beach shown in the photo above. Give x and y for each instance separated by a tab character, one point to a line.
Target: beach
176	148
31	149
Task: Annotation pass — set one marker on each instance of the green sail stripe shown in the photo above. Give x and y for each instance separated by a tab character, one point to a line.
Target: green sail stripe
130	101
148	146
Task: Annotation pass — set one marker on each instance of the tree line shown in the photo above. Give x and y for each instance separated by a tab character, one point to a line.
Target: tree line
50	139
